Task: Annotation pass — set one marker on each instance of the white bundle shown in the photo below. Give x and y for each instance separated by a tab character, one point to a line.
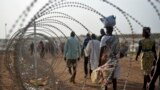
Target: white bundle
109	21
104	71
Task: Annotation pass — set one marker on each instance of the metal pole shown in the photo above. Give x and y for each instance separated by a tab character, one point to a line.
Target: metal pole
35	54
6	33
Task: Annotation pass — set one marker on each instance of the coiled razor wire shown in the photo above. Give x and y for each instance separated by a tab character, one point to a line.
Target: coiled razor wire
98	12
129	69
22	17
80	5
157	1
59	61
19	35
64	70
155	8
67	17
50	21
49	32
41	64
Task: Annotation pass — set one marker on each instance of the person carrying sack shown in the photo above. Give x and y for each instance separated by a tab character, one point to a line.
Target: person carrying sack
112	66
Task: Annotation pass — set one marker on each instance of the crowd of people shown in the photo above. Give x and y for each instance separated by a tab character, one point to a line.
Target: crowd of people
43	47
101	56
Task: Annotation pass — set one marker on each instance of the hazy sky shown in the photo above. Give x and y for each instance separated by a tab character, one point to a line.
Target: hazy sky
140	9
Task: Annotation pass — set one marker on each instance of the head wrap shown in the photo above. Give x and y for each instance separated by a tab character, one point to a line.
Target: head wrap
109	21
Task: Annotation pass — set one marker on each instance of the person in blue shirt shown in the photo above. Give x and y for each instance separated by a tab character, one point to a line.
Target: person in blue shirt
72	51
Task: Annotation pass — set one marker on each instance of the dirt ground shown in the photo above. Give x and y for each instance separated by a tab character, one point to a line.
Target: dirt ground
130	71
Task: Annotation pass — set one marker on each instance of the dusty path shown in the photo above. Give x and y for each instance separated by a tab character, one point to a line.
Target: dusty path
134	82
6	82
135	78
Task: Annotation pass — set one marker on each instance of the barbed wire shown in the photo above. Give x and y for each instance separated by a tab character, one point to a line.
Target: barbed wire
64	70
46	9
22	17
18	55
93	10
48	31
48	25
132	31
155	8
84	84
157	1
121	10
57	22
67	17
132	34
99	13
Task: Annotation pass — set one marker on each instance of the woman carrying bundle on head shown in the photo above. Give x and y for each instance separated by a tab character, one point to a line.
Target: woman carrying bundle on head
109	50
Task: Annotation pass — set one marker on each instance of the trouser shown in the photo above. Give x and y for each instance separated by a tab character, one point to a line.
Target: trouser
146	80
113	78
159	83
86	63
42	53
155	76
72	65
73	75
114	81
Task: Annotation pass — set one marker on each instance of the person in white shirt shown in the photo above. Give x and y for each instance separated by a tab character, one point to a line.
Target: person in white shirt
92	49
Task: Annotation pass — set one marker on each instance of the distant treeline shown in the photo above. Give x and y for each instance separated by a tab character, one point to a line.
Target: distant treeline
154	35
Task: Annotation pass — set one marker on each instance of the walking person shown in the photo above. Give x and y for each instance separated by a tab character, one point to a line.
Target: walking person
92	50
147	46
32	48
110	45
42	49
102	56
86	58
102	32
72	51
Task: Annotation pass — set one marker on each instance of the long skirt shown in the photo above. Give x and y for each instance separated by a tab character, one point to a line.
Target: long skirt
147	62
